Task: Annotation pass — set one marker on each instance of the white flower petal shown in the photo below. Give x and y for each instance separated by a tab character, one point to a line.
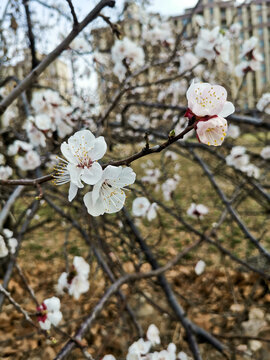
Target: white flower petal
113	199
99	149
81	266
73	189
55	317
213	131
126	177
52	304
75	174
92	175
46	325
94	209
227	110
83	139
66	151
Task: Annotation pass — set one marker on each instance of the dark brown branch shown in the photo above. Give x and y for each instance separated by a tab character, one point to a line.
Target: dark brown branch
31	36
73	13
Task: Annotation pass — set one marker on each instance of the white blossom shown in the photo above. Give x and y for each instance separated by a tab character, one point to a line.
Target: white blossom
233	131
76	281
248	46
130	52
168	188
12	243
82	152
141	206
251	170
152	176
209	104
238	157
187	61
197	211
49	313
234	30
152	334
140	347
264	103
108	357
200	267
30	161
18	145
5	172
43	121
3	247
182	356
265	153
108	195
35	136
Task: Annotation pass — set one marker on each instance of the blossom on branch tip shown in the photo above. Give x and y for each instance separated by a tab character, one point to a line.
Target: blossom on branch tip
108	195
76	281
141	206
207	107
81	152
197	211
49	313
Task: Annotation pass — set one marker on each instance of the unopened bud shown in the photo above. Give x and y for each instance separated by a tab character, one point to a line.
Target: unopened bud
172	133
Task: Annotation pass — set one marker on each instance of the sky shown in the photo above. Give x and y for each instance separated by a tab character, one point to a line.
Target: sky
165	7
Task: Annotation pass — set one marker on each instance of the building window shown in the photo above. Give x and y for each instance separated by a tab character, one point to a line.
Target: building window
211	11
260	19
261	43
260	31
263	67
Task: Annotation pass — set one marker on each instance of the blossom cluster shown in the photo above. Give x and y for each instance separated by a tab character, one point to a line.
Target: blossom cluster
239	159
252	57
140	349
213	43
51	114
216	43
126	54
142	207
8	243
208	105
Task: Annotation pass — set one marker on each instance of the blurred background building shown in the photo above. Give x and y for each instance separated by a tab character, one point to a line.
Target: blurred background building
253	16
56	76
